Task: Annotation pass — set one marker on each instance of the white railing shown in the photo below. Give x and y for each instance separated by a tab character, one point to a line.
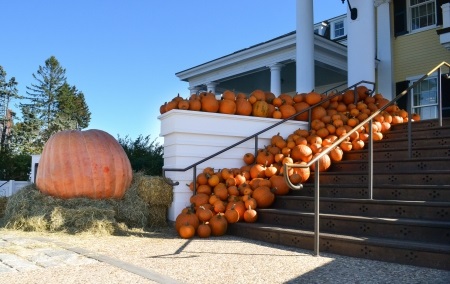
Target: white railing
8	188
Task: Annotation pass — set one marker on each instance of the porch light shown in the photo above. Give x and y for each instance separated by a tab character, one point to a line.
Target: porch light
353	11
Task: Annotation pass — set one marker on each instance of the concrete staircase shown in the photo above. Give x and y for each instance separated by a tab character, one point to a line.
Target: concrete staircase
407	221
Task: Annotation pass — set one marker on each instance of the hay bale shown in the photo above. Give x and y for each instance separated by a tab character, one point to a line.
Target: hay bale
131	209
157	217
31	210
84	219
3	201
154	190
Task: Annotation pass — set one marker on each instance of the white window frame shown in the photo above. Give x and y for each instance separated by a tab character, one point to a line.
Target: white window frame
409	13
412	80
333	28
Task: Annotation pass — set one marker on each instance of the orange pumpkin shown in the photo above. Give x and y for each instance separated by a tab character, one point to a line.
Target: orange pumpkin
204	214
264	196
210	103
287	110
218	224
313	98
228	95
324	163
279	185
227	106
183	104
195	105
249	158
301	153
199	199
186	216
87	163
260	95
231	214
250	215
260	109
303	173
186	231
300	106
204	230
243	107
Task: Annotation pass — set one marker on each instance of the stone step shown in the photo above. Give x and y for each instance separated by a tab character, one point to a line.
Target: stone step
423	124
438	163
401	153
381	192
402	143
399	178
438	211
423	254
401	229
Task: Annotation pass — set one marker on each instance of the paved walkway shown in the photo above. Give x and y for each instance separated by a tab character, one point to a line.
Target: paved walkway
22	254
152	258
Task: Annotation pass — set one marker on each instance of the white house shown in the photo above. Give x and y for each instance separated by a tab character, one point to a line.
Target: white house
389	42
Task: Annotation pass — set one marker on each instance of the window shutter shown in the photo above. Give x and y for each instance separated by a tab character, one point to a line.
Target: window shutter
400	18
439	3
400	87
445	87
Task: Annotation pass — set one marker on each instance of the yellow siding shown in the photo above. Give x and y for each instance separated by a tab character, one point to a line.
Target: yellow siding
416	54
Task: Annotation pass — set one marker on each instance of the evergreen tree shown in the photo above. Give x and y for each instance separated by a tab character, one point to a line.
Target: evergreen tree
144	155
55	103
26	133
43	96
73	110
8	91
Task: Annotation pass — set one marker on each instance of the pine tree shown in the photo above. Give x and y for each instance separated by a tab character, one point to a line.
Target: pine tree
26	133
73	110
55	103
8	91
42	96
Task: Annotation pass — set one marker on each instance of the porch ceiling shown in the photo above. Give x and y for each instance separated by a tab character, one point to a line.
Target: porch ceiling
260	79
247	69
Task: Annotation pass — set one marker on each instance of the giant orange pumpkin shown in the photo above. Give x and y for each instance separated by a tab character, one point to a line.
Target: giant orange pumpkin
87	163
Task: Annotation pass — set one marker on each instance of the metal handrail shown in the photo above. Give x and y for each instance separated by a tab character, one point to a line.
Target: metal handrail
317	157
309	109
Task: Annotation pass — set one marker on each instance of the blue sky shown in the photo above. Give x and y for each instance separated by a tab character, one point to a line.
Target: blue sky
123	55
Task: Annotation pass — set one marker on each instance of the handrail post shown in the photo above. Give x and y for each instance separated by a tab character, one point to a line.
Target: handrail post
256	146
370	161
194	179
439	96
409	125
316	209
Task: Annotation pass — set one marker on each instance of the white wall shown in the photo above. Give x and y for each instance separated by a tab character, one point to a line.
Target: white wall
8	188
190	136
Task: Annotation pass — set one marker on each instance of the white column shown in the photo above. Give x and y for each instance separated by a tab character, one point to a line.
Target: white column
211	87
305	47
445	15
361	42
193	89
275	78
385	84
444	38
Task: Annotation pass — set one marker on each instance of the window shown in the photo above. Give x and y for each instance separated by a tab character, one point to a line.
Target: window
338	29
423	13
416	15
425	98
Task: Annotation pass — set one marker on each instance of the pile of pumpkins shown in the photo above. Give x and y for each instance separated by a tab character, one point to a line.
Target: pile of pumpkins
233	195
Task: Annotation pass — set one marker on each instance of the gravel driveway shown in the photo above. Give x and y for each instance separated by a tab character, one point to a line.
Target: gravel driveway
163	257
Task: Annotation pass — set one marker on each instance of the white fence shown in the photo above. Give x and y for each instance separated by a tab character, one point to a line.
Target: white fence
8	188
